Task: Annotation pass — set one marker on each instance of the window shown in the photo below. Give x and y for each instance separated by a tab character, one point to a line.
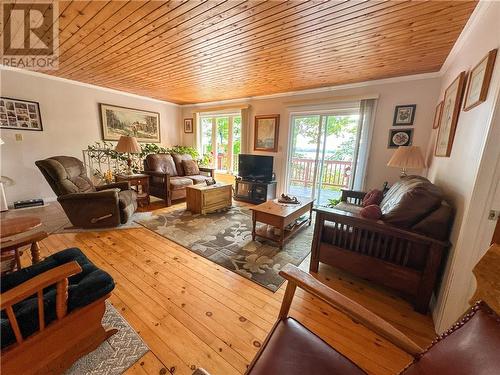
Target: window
221	138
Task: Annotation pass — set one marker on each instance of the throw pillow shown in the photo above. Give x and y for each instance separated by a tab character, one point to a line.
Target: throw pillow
190	168
374	196
371	212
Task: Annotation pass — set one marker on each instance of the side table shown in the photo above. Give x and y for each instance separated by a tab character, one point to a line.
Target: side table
138	182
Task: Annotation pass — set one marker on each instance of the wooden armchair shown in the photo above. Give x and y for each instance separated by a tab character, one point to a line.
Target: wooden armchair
471	346
404	250
62	330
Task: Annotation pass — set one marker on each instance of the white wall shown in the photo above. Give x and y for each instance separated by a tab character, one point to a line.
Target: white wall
458	174
420	91
70	117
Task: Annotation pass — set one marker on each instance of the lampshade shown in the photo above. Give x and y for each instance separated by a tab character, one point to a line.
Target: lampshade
407	157
128	144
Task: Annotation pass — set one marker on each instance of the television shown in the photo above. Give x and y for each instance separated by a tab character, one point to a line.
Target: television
255	167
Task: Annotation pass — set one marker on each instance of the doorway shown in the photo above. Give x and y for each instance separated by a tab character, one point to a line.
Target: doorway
323	150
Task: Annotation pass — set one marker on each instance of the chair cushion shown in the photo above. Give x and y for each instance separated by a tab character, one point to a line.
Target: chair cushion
199	179
293	349
437	224
163	163
178	158
348	207
177	183
84	288
409	200
471	346
65	175
127	201
190	168
371	212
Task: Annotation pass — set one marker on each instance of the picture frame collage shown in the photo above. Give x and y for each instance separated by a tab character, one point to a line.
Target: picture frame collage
20	114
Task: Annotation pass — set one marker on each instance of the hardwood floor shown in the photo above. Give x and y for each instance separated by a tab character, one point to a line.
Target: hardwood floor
192	312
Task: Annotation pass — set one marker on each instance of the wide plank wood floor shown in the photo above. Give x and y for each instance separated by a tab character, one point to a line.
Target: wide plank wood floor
193	313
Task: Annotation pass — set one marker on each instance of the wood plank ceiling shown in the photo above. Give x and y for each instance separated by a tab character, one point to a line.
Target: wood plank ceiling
198	51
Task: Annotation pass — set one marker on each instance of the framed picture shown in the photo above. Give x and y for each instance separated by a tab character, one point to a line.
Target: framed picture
437	115
117	121
20	114
400	137
188	125
449	116
479	81
404	115
266	133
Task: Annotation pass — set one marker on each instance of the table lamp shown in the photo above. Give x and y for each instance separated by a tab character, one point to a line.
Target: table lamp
127	144
407	157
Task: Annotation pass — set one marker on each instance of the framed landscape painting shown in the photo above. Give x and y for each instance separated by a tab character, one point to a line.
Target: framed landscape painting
449	116
117	121
20	114
266	133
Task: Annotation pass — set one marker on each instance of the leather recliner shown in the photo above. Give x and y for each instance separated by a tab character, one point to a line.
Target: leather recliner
86	205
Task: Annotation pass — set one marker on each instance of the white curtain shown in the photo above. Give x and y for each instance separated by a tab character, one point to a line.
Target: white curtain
245	130
197	132
366	119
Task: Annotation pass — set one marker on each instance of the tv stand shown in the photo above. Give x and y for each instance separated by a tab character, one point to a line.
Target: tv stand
256	192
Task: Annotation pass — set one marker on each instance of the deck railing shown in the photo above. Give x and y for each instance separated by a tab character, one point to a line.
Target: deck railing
336	173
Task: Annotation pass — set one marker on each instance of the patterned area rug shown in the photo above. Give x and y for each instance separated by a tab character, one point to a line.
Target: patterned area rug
116	354
225	238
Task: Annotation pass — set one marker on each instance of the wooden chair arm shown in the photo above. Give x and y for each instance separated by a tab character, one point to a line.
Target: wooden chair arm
303	280
58	276
356	196
23	241
156	174
210	171
37	283
331	214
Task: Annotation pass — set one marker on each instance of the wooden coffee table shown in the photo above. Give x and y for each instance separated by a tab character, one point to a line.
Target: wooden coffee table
280	215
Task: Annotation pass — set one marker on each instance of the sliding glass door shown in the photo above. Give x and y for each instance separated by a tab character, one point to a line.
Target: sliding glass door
221	140
323	150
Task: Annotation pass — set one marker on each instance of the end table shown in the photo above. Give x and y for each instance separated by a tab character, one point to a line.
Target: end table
138	182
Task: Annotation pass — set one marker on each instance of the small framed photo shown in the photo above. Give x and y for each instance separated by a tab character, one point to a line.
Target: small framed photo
20	114
479	81
400	137
266	133
404	115
188	125
437	115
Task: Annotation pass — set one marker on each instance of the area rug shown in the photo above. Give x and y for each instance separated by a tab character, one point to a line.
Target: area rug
132	223
225	238
115	355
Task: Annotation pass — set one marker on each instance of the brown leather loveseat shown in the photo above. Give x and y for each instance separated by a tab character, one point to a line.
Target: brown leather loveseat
403	250
86	205
170	174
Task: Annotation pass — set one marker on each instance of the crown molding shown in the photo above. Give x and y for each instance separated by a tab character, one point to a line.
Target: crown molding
413	77
474	19
82	84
